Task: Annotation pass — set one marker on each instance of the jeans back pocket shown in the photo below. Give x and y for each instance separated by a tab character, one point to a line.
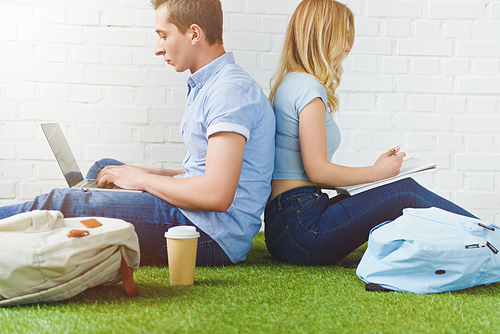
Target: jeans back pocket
307	201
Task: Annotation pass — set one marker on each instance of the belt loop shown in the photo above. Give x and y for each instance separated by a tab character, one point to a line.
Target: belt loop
279	202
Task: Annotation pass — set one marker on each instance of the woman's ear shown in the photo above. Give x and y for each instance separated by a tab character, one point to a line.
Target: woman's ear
197	34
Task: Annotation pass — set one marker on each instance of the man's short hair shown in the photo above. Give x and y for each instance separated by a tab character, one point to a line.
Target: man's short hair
205	13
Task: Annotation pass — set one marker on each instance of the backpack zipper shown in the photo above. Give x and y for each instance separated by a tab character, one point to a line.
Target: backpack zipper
490	246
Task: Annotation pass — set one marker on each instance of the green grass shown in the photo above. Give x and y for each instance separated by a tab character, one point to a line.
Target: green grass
259	296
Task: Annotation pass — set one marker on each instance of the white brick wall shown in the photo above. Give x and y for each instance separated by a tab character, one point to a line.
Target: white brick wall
422	74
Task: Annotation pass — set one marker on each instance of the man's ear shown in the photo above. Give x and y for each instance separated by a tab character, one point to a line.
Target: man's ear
197	34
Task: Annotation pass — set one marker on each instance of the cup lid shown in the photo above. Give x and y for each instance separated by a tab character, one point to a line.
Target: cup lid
182	232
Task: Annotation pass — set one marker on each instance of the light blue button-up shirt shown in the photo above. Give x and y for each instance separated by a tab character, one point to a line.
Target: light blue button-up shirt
224	98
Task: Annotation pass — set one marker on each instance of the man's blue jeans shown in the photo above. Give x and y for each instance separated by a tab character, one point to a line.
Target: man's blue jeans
304	226
151	216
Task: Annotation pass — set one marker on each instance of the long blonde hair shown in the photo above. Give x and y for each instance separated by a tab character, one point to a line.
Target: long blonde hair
315	44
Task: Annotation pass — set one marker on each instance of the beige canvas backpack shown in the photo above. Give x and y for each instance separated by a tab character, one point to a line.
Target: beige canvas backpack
45	257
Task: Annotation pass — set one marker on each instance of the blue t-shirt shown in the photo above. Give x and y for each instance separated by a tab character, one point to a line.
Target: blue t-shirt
295	91
224	98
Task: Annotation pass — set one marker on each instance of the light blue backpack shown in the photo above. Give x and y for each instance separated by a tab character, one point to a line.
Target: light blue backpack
431	251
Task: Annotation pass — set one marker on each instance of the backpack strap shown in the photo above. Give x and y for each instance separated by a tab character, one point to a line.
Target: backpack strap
350	264
128	279
376	287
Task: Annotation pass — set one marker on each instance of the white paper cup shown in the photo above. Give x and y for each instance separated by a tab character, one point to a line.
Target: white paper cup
182	242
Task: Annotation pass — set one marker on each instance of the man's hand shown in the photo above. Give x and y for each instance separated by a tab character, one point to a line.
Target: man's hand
126	177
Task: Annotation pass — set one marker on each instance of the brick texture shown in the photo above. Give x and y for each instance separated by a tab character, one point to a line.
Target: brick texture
422	74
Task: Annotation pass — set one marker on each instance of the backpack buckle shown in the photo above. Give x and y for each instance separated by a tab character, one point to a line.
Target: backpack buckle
486	227
490	246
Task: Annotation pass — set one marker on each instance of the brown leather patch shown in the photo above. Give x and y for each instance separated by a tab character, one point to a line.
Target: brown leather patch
91	223
78	233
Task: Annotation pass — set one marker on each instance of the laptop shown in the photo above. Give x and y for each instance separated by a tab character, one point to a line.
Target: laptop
67	162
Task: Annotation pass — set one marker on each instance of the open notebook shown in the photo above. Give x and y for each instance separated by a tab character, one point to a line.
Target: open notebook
411	167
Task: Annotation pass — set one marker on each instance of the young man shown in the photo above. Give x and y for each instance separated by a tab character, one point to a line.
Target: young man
228	128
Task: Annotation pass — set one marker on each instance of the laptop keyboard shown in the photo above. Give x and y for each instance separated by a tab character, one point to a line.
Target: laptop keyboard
93	184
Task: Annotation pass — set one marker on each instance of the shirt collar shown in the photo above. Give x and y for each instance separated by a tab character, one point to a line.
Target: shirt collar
200	77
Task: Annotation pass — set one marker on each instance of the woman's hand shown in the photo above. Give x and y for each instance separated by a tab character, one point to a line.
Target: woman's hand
388	164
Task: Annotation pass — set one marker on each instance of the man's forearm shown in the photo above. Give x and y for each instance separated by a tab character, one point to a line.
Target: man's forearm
163	172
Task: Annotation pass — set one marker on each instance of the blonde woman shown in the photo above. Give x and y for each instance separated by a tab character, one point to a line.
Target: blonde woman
303	225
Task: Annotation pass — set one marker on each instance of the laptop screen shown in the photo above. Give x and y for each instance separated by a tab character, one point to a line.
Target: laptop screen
63	153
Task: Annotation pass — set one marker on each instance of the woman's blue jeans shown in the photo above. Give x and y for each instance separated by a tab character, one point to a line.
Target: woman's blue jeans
151	216
304	226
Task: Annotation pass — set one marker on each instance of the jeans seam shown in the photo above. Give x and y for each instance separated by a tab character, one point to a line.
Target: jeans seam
377	203
279	217
367	208
286	232
350	219
279	203
268	227
305	228
291	205
208	251
278	238
297	212
309	205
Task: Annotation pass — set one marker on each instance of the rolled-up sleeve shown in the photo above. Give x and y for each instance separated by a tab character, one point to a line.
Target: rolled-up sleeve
225	115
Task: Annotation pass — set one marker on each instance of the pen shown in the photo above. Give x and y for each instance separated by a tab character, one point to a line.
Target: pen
394	150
